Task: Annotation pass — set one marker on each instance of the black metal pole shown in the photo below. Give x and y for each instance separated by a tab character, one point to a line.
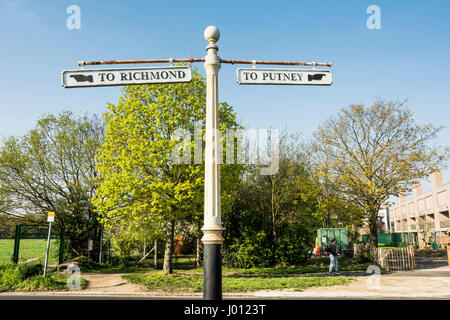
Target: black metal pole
212	272
16	244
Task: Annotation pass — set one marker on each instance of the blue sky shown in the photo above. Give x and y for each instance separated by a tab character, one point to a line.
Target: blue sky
408	58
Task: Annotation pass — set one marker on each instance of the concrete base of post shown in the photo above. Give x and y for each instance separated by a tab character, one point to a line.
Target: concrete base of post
212	286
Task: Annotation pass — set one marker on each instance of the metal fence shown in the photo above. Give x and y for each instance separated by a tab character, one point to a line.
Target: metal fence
30	243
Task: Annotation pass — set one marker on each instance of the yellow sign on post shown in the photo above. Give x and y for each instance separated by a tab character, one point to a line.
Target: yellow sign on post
51	216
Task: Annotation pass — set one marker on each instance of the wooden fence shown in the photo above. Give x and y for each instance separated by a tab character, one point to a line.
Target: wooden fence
397	259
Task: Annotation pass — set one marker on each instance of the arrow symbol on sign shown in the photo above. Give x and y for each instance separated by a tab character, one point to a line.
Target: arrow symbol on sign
317	76
82	78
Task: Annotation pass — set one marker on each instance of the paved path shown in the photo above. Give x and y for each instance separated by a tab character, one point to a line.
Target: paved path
430	281
109	283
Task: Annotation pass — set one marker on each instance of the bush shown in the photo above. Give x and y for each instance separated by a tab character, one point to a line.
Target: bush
255	250
29	270
124	244
12	275
250	252
28	277
364	252
293	246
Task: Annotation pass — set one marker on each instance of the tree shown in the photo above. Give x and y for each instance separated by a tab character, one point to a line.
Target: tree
334	208
376	152
141	179
274	216
52	168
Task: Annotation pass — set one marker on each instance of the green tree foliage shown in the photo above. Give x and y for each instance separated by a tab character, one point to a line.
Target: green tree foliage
52	168
141	184
334	209
7	225
372	153
273	219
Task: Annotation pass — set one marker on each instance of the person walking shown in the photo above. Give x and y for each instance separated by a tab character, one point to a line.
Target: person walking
333	258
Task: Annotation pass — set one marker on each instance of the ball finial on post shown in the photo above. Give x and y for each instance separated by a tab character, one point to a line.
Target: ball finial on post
212	34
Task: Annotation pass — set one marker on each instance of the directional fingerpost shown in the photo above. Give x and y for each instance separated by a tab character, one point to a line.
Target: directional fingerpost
124	77
284	76
212	228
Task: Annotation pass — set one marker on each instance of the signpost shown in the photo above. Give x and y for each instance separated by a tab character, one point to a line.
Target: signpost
212	228
310	77
124	77
50	219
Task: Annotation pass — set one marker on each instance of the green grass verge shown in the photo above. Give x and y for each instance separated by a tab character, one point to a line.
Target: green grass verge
312	266
296	270
28	277
29	249
183	282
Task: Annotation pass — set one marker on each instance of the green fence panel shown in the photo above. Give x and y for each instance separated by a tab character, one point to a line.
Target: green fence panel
344	240
386	240
16	244
31	241
325	235
398	239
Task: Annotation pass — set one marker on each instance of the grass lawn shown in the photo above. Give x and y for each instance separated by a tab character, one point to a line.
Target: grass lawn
253	279
29	248
6	249
185	282
188	263
297	269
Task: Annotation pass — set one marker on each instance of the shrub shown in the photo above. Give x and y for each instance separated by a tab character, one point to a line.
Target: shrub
124	244
255	251
28	277
364	252
12	275
29	270
293	246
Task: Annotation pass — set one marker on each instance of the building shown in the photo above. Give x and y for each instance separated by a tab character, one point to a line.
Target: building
424	212
382	225
384	218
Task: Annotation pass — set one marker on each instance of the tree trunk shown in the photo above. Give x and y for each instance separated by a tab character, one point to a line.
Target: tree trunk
145	247
169	248
373	238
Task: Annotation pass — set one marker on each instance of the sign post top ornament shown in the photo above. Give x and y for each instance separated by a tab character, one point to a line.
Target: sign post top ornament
212	228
